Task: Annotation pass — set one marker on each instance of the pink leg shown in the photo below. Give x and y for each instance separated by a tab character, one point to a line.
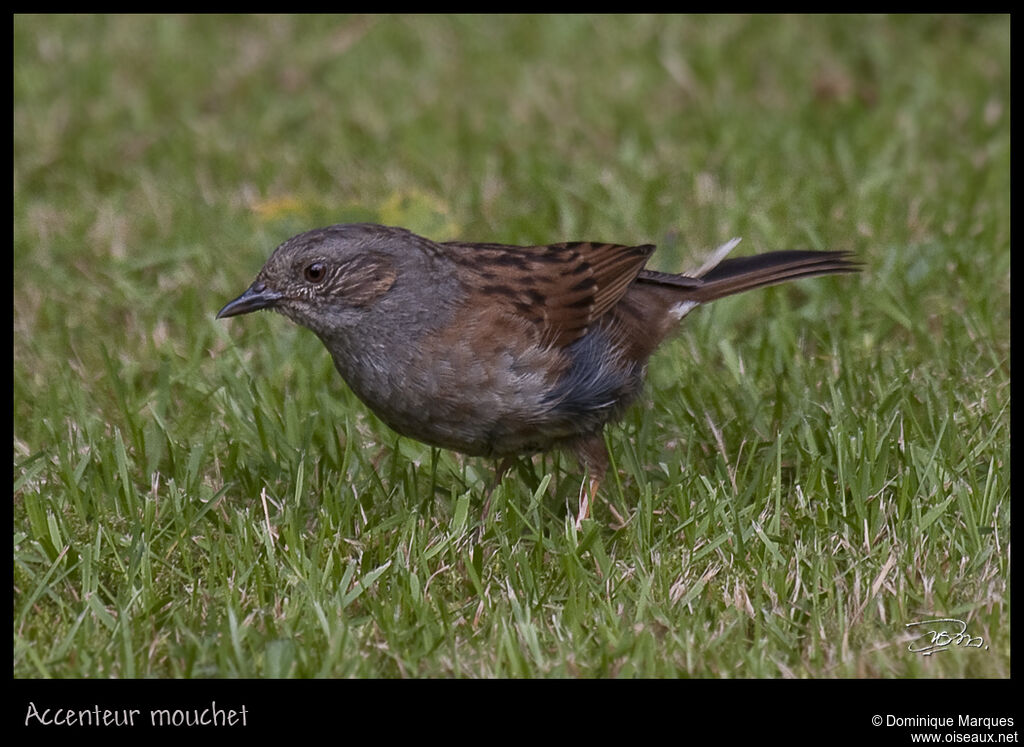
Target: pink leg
593	457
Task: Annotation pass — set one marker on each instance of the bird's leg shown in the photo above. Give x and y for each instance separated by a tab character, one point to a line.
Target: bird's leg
588	492
593	457
503	467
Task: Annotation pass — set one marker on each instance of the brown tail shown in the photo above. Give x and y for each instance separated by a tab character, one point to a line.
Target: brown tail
745	273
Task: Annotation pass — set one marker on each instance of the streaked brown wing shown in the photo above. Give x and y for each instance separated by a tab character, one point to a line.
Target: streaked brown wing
562	288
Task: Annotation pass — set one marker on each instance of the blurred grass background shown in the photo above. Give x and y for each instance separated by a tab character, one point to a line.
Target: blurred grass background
817	465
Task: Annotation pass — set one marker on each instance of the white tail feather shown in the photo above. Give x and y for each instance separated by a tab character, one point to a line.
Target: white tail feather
683	308
716	256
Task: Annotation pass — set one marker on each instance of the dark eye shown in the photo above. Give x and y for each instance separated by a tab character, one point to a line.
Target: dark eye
316	272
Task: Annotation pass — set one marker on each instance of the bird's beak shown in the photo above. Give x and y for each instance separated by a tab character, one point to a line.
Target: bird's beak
257	297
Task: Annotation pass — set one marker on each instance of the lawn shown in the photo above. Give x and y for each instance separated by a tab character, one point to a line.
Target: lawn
814	466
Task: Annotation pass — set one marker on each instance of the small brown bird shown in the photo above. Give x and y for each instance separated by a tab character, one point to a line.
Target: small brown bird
492	349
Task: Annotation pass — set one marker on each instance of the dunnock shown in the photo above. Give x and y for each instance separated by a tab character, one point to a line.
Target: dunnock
498	350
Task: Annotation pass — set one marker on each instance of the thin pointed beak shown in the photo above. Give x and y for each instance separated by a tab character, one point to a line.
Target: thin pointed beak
258	296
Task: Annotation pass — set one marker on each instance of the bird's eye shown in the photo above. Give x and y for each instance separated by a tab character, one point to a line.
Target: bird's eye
316	272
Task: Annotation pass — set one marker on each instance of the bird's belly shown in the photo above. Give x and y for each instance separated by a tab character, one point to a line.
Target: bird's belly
474	408
511	401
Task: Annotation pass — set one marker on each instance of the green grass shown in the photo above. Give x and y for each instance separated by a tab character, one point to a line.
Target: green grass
815	465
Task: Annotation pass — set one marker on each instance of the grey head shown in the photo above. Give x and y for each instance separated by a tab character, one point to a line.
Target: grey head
349	280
